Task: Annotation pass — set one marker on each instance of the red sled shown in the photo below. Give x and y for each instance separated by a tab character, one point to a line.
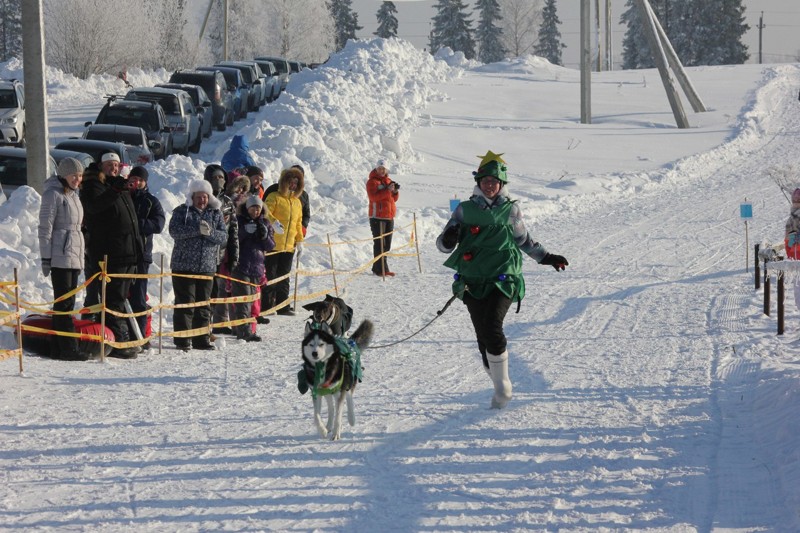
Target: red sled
41	343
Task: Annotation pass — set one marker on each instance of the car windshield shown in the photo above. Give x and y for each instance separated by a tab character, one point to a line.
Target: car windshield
132	138
168	102
13	171
142	118
8	98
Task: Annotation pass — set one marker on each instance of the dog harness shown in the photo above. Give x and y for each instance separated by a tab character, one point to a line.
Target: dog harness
350	355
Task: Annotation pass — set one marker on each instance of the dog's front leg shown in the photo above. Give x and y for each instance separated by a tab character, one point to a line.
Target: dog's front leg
351	410
321	429
331	411
337	424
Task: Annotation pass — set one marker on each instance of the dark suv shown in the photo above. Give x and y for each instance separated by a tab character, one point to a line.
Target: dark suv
147	115
237	86
252	75
213	82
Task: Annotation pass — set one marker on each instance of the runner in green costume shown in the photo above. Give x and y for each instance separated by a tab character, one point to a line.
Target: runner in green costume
486	238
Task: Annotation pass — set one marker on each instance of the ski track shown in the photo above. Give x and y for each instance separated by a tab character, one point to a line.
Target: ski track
632	407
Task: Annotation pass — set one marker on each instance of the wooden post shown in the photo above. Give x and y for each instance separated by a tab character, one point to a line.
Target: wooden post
103	267
382	258
586	63
766	291
333	267
757	268
661	62
296	275
780	302
746	248
19	320
416	242
161	304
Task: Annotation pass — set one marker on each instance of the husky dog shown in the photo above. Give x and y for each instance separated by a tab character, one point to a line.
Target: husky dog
334	312
332	368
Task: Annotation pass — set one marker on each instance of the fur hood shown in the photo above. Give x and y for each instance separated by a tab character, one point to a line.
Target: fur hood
285	180
202	186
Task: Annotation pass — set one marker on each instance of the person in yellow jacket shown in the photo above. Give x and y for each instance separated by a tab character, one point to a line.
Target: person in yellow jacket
285	212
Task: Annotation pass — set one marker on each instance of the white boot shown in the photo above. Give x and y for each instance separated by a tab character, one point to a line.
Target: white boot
498	371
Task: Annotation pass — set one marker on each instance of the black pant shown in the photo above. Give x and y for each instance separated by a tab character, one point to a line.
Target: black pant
64	281
117	291
91	268
138	297
241	310
487	317
379	226
277	266
189	290
219	312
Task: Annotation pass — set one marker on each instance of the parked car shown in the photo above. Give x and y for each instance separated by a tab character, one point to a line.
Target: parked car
253	77
97	148
2	195
182	118
236	84
140	148
295	66
282	66
14	168
272	81
83	157
149	116
202	104
12	112
216	87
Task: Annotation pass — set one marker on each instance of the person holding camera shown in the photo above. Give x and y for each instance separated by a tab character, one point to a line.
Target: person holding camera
383	194
199	230
112	228
486	238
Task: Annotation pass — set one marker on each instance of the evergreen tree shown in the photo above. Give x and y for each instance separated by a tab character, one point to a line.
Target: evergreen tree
549	45
345	21
707	34
452	28
387	21
10	29
490	36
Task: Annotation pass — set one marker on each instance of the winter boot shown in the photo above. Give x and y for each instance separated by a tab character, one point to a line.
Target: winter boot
498	370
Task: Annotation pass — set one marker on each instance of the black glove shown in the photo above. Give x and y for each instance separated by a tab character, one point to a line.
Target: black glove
261	230
45	266
559	262
118	183
450	236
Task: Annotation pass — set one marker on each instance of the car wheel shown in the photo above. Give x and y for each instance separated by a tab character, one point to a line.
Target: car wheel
22	140
221	126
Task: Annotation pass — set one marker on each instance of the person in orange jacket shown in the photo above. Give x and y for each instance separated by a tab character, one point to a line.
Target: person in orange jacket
383	194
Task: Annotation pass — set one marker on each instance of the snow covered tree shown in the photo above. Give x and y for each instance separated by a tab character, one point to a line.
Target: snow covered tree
173	50
490	37
10	29
549	45
387	20
345	21
452	28
520	18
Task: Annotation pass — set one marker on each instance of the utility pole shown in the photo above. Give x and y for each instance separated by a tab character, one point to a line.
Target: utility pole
760	35
609	49
586	63
35	109
225	30
597	35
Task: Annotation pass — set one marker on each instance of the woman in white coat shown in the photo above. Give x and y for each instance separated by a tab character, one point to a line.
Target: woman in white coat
61	246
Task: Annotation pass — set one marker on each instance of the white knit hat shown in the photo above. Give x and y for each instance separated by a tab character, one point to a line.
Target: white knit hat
69	166
254	200
202	186
383	163
109	156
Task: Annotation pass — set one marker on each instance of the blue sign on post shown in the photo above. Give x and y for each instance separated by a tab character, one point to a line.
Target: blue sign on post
454	203
746	211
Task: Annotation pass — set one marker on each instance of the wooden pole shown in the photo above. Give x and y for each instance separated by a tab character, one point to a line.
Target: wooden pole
609	40
746	248
661	62
333	267
296	275
19	319
160	304
766	290
103	310
416	242
586	64
780	302
597	35
757	268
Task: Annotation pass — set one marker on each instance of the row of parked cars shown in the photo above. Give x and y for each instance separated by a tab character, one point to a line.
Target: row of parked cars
149	123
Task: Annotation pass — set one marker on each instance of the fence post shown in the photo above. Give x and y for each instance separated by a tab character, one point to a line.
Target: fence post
416	242
766	289
333	267
103	310
296	275
780	302
160	304
757	269
19	319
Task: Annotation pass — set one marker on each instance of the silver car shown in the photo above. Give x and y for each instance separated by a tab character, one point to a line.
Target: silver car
202	104
12	112
182	118
140	149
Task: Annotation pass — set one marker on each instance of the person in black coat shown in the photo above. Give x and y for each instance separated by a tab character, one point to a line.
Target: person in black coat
113	231
150	214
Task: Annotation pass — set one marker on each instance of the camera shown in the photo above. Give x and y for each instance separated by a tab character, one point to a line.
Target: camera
396	185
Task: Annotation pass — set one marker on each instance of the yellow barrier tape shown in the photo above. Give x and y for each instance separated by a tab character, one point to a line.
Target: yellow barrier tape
7	354
6	317
83	336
